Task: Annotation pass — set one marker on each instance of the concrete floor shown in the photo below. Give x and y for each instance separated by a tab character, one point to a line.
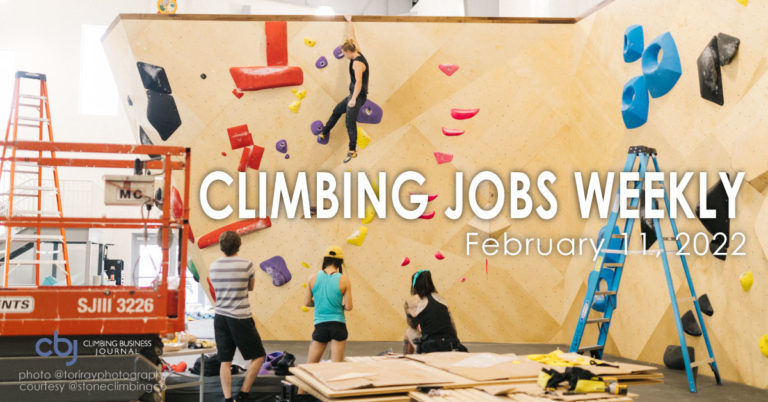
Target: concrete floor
675	387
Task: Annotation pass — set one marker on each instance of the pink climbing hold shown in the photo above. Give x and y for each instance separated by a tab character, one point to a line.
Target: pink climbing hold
237	93
439	255
428	215
463	279
463	114
405	262
443	158
431	197
452	132
448	69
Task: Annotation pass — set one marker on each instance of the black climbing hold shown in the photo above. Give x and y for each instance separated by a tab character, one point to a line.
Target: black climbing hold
727	47
130	101
690	326
144	139
646	224
673	357
203	76
162	113
705	305
154	78
710	80
717	199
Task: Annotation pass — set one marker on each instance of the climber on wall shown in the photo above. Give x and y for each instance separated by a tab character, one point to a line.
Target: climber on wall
358	91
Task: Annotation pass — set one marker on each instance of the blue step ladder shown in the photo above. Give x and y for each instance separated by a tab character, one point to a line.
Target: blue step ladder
610	264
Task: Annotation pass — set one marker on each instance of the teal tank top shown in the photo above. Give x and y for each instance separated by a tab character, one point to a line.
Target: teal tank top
328	298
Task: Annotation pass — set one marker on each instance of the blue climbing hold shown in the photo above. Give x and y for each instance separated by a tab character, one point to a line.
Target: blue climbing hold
633	43
600	303
661	74
634	102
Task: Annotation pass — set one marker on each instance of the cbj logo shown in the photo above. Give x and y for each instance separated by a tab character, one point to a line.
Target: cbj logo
53	347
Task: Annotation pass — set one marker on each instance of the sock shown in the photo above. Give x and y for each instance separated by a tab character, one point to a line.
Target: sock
242	396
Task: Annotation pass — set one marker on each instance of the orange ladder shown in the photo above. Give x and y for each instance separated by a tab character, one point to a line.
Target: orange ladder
27	165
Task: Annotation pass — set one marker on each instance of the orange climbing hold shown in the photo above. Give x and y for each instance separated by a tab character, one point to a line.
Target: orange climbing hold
256	78
240	227
254	159
239	136
277	43
244	160
463	114
237	93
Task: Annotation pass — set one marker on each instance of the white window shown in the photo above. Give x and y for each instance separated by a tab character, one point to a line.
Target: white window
98	93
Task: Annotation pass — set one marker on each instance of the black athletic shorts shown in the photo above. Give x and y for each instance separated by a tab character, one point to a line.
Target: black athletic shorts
234	333
328	331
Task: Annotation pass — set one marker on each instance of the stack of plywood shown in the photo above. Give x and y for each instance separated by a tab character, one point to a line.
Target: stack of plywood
461	376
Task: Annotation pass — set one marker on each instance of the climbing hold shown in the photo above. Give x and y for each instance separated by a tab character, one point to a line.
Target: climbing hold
448	69
439	255
743	2
375	187
322	62
370	213
358	237
431	197
304	285
237	93
633	43
177	205
710	79
256	78
661	74
277	269
49	281
705	305
239	136
154	78
294	106
370	113
338	53
405	262
304	264
452	132
463	279
130	101
428	215
162	113
304	308
746	280
210	289
282	146
276	33
309	42
193	269
717	199
287	156
363	139
442	157
244	160
673	357
300	93
634	102
242	228
203	76
727	46
223	153
764	345
690	326
254	158
463	114
316	127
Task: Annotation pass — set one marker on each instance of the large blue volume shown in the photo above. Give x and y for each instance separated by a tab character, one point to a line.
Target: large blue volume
633	43
661	75
634	102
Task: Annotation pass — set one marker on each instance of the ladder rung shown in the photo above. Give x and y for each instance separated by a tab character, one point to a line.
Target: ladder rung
31	118
17	171
619	236
28	237
35	188
35	212
605	293
612	265
640	252
685	300
597	320
702	362
36	262
590	348
669	238
32	105
38	97
28	125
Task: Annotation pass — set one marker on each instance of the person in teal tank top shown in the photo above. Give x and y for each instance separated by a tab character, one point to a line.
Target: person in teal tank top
330	293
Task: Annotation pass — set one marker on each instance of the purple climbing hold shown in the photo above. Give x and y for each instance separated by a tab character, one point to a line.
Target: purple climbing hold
337	53
370	113
282	146
287	156
277	269
322	62
317	127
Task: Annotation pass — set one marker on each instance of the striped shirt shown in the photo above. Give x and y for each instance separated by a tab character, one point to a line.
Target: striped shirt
230	276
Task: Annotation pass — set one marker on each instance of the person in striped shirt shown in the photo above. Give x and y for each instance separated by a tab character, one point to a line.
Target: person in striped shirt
232	277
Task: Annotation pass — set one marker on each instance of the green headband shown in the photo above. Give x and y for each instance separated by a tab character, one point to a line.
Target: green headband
413	285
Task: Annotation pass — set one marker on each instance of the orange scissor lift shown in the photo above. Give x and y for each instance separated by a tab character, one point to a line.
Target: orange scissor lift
93	313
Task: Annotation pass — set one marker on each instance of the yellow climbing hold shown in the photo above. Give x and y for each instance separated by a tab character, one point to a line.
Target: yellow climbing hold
746	280
294	106
375	187
764	345
363	139
358	237
743	2
369	214
304	308
309	42
300	93
304	285
305	264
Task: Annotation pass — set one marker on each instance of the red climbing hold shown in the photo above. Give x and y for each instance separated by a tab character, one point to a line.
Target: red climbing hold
448	69
459	114
243	160
240	227
439	255
210	288
239	136
428	215
405	262
452	132
177	205
463	279
443	158
237	93
277	43
256	78
431	197
223	153
254	159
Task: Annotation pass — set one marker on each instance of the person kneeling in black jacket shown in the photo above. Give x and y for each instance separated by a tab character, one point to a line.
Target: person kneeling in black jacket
430	326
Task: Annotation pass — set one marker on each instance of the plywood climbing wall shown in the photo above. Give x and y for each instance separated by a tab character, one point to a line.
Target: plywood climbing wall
549	98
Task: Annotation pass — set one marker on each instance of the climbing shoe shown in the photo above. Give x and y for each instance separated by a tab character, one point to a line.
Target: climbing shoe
350	155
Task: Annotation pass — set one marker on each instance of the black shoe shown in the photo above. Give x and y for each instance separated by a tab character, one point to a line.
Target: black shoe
241	397
350	155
